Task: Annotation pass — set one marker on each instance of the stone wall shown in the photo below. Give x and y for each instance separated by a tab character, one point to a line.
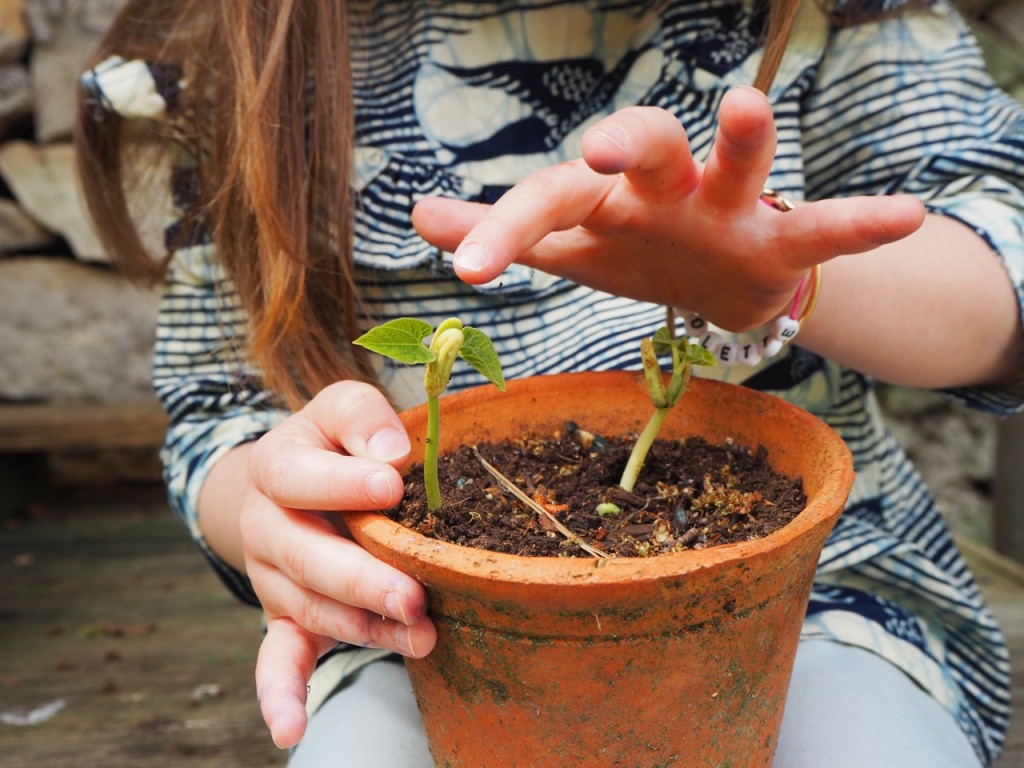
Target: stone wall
72	330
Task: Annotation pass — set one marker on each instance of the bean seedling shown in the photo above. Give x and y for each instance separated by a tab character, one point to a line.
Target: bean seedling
684	357
402	340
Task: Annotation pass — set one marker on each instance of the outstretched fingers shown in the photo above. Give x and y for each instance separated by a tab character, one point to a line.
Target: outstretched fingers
649	146
444	222
554	200
638	154
822	230
743	152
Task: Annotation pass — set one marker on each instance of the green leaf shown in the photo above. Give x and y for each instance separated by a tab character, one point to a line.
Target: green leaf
697	355
400	339
663	342
479	352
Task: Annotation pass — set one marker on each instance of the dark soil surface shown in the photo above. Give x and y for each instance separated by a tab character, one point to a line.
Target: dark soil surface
690	495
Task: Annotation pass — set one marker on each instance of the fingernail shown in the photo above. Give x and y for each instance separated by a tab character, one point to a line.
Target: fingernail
394	608
271	721
378	487
471	257
388	444
403	641
615	134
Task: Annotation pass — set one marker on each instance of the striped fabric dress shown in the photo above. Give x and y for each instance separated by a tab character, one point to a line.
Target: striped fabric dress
465	98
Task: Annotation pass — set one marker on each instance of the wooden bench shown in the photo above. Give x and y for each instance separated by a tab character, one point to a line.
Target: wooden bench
32	435
42	428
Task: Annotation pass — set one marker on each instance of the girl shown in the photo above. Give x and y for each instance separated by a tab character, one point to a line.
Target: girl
551	170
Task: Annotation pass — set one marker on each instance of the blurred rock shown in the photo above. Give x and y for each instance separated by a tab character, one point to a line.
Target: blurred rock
15	97
19	232
63	34
44	183
14	34
69	331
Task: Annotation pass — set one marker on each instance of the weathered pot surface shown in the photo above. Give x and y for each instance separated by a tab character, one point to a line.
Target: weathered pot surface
681	659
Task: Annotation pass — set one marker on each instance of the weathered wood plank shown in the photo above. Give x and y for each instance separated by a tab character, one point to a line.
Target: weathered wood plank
59	426
120	620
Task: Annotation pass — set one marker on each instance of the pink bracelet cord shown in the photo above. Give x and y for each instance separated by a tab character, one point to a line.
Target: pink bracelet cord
794	311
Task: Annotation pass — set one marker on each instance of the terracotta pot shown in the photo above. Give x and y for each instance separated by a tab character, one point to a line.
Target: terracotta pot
681	659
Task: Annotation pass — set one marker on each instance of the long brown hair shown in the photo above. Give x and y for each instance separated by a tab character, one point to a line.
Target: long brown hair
273	170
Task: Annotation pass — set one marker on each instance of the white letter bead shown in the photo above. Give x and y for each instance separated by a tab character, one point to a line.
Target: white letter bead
695	324
785	328
728	353
739	350
772	346
750	354
712	342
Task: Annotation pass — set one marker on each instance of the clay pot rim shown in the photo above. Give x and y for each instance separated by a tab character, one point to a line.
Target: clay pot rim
391	536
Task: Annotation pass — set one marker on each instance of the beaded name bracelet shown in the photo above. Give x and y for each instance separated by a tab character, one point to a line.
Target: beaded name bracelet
768	341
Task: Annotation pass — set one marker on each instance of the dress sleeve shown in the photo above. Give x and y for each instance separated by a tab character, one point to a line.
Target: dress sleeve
214	398
907	105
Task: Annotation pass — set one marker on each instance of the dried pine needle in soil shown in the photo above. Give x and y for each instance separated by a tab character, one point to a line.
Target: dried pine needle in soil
690	495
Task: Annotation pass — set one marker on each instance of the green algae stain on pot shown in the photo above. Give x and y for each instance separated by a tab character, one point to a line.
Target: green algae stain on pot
472	661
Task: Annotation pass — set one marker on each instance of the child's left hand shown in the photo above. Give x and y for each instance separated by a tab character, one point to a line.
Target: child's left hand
639	216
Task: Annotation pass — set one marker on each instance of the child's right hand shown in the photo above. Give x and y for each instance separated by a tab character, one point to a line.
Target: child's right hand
317	586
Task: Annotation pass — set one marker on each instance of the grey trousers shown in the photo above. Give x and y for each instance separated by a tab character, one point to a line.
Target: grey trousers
879	719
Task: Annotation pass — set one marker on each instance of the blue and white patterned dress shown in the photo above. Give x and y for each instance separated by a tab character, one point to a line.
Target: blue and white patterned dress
465	98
